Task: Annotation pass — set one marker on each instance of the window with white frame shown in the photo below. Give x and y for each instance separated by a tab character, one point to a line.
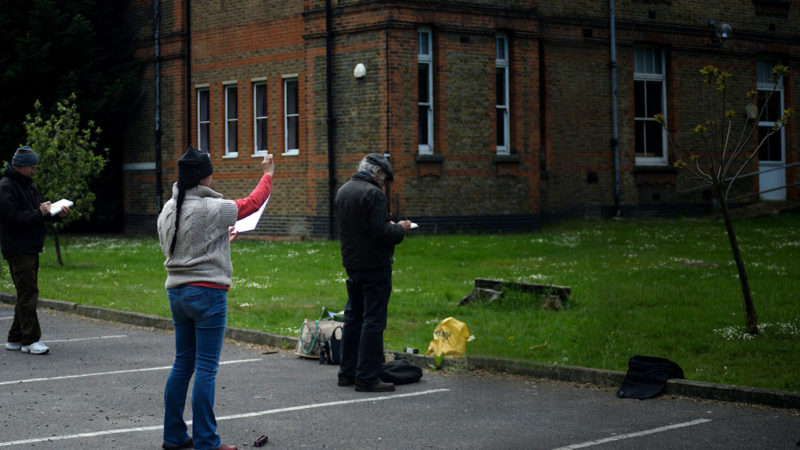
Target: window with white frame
425	87
650	98
771	103
291	115
260	117
231	120
203	120
501	83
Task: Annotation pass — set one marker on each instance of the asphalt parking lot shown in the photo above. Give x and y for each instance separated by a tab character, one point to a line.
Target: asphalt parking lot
101	387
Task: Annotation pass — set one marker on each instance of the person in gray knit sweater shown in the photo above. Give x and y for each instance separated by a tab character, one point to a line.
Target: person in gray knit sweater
194	229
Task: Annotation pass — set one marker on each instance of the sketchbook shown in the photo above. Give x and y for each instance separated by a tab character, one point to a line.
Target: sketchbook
58	206
250	222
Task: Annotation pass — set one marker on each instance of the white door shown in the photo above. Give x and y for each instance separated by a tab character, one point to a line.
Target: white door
772	154
772	180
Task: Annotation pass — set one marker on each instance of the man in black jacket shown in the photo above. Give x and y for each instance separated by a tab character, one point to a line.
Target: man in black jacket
22	215
367	237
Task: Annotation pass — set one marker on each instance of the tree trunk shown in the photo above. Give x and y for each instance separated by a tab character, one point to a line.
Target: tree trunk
58	247
751	322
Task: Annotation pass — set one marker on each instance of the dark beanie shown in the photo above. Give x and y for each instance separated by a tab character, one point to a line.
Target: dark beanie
381	161
24	157
193	166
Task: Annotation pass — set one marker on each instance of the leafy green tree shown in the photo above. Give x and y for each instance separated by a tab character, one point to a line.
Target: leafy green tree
724	146
68	159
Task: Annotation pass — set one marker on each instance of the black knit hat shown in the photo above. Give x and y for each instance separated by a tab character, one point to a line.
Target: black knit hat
193	166
381	161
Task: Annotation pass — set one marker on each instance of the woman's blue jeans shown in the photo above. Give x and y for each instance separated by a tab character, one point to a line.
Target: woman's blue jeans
199	315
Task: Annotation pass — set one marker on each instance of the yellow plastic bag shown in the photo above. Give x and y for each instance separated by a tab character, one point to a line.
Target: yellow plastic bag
449	338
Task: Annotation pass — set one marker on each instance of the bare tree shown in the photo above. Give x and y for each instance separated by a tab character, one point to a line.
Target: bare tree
728	143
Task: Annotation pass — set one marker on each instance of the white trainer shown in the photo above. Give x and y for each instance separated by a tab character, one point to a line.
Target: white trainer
13	345
37	348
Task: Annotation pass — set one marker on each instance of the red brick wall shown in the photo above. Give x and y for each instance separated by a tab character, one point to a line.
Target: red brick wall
561	159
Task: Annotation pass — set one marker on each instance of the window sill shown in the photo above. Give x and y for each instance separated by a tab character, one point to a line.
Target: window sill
663	168
429	165
291	153
230	155
259	154
506	164
429	158
655	175
507	158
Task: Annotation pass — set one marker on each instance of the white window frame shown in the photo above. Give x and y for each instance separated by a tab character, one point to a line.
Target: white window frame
502	107
766	86
286	115
256	83
203	124
653	76
425	56
231	119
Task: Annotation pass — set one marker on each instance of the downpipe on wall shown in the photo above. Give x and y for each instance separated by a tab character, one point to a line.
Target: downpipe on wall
157	118
331	119
614	119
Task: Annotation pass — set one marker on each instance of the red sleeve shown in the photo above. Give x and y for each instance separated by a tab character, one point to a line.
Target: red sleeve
252	202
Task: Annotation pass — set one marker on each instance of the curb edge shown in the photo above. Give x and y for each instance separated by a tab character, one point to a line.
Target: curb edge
598	377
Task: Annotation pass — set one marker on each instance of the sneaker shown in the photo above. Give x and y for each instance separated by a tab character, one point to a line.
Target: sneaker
37	348
13	345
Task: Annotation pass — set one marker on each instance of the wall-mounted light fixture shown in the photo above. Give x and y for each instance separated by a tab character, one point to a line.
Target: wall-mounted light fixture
720	32
360	71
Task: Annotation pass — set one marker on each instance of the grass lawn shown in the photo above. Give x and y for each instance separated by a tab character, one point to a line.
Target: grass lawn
664	287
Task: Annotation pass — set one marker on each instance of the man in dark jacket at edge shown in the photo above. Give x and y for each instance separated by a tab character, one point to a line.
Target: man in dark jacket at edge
367	237
23	212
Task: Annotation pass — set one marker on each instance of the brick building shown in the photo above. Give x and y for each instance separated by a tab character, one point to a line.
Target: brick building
496	114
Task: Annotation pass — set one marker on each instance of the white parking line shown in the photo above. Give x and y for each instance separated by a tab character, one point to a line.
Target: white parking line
7	318
232	417
337	403
113	336
636	434
114	372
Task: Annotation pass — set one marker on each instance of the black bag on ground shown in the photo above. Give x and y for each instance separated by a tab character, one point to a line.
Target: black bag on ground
400	371
647	377
330	351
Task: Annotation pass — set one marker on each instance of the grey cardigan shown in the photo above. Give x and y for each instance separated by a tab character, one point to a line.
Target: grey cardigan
202	250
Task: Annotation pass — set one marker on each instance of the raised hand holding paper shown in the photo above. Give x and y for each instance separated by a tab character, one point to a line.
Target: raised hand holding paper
250	222
58	206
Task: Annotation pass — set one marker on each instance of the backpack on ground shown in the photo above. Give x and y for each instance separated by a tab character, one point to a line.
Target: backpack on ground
331	350
400	371
647	377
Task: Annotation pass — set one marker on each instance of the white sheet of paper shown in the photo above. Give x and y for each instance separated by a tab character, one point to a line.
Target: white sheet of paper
56	207
249	223
414	225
